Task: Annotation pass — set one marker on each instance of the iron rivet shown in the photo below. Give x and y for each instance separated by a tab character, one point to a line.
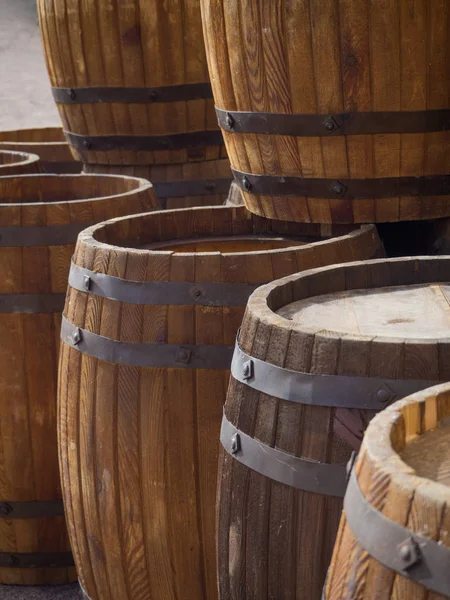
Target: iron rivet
210	187
405	553
229	121
87	282
247	370
235	443
329	125
197	293
282	179
338	189
87	144
72	94
409	553
14	560
76	336
184	356
383	395
246	184
153	95
5	509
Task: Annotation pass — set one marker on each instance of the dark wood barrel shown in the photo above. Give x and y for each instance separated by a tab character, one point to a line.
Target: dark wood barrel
181	186
318	354
131	80
152	311
393	540
334	111
48	143
18	163
40	218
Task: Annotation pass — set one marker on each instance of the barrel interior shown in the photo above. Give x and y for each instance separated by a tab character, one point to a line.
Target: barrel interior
64	188
423	444
35	135
16	158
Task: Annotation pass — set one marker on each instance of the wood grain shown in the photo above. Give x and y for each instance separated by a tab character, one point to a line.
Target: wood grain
328	57
147	530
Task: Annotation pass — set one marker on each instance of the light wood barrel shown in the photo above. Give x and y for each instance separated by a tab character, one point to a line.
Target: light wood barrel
318	354
48	143
18	163
181	186
131	81
152	311
393	540
334	111
40	218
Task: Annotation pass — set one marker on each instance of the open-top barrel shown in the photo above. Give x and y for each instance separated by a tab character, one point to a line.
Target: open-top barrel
48	143
40	218
131	81
393	540
152	311
319	353
334	111
18	163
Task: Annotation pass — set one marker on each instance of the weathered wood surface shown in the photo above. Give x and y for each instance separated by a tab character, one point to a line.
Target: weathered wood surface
212	172
276	541
32	271
327	58
48	143
18	163
139	445
402	471
130	44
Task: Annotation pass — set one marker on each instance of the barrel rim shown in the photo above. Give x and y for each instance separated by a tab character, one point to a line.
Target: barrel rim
23	158
87	237
259	303
378	443
142	185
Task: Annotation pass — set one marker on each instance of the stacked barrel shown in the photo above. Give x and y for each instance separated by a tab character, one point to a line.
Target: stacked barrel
132	88
219	365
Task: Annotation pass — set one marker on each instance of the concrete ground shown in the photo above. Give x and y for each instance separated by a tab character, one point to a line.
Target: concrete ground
26	101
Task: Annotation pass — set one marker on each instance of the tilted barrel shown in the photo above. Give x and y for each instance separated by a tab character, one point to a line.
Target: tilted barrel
334	111
48	143
152	312
181	186
131	81
18	163
40	218
318	354
393	540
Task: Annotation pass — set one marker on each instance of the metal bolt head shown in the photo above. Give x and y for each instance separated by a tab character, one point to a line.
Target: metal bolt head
184	356
72	94
153	95
76	336
87	144
87	282
338	189
235	443
5	509
383	395
229	121
409	553
329	125
247	370
246	184
197	293
405	553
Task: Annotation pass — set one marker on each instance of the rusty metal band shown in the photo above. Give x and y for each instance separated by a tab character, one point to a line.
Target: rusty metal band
164	356
144	143
37	509
326	125
31	303
159	293
408	553
315	389
36	560
198	187
300	473
347	189
51	235
130	95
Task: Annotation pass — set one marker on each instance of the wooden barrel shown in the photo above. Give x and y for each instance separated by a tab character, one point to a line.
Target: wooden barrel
393	540
48	143
334	111
131	80
152	311
318	353
181	186
40	218
18	163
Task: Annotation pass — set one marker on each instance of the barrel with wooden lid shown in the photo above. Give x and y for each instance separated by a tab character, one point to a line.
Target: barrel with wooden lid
318	354
181	186
334	111
40	218
393	540
131	81
18	163
152	311
48	143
